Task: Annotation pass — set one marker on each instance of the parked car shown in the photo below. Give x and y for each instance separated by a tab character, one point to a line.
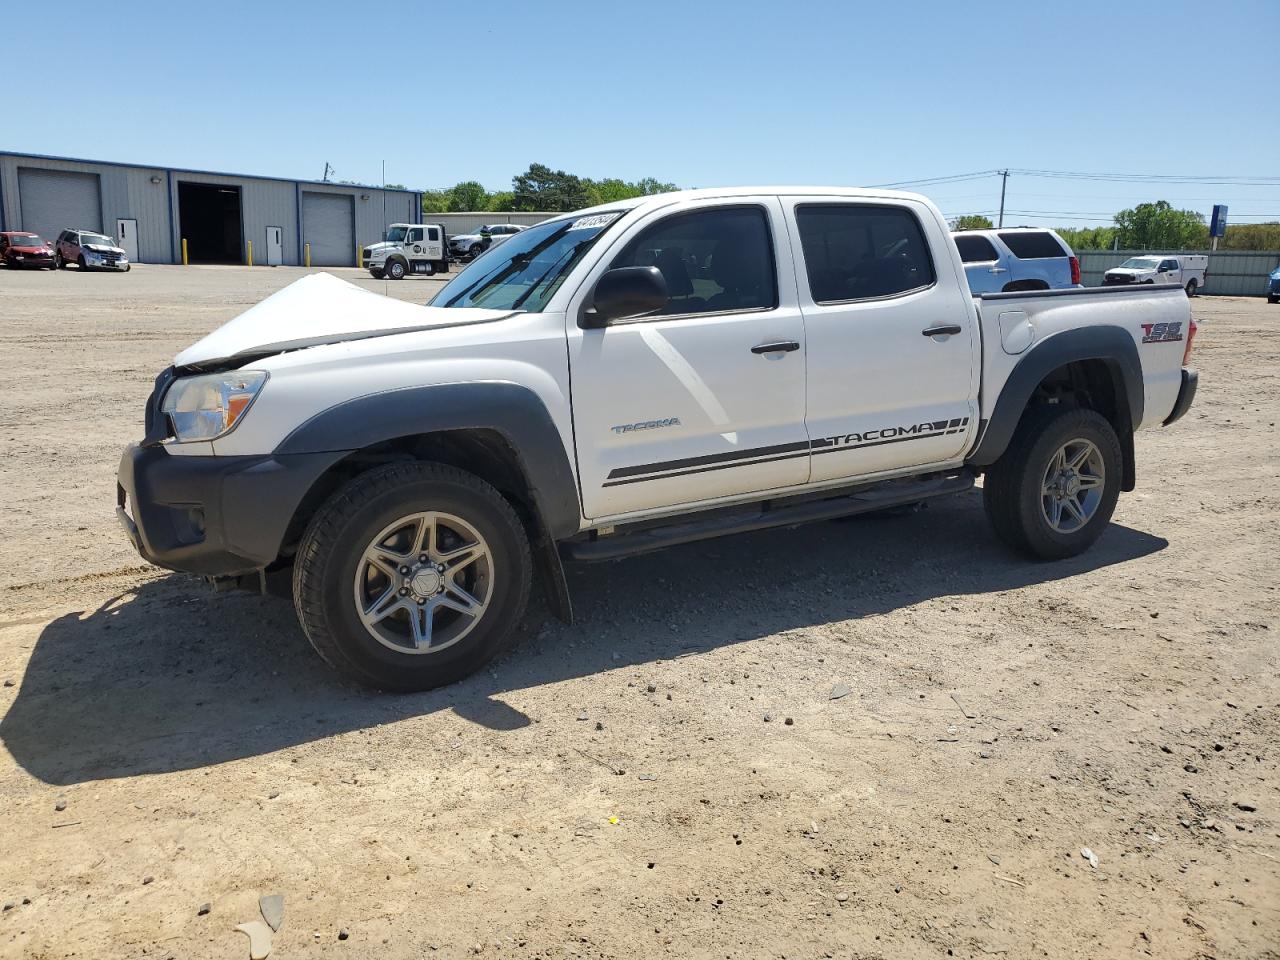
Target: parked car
89	250
645	373
409	248
21	249
1019	258
474	244
1185	270
1273	286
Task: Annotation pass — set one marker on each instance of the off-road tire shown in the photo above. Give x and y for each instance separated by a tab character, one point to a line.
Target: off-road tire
1012	488
331	550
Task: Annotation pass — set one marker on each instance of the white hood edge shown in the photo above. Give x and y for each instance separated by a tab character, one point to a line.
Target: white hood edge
317	309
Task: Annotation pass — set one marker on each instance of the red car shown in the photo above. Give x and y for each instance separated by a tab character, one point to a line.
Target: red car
19	249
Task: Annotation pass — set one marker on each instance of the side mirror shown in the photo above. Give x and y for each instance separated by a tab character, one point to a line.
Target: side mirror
1162	269
626	292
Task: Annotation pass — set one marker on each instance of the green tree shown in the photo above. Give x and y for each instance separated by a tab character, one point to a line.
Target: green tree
468	196
501	201
1252	236
972	221
1088	238
541	188
1151	225
435	201
610	191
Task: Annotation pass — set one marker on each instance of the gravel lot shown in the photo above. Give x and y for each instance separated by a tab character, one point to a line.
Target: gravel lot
671	776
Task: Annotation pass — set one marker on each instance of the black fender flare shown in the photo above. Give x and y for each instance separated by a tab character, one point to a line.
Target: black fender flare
513	411
1113	345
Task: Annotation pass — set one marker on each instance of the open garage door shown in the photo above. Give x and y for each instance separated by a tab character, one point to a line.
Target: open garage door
209	220
57	200
328	224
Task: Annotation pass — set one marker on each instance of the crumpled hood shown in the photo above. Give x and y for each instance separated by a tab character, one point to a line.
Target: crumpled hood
103	248
315	310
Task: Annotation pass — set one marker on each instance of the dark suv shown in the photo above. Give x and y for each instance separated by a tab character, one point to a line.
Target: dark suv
20	249
90	250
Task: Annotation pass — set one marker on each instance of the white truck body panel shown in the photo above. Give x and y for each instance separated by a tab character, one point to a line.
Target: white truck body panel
690	387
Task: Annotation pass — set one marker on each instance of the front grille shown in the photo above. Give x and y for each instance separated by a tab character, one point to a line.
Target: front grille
1117	278
366	253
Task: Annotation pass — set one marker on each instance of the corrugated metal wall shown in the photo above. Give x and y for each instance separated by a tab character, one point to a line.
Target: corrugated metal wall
456	223
150	196
1230	273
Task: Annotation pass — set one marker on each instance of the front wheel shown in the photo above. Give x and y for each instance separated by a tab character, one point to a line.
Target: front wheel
395	269
1192	286
412	576
1273	298
80	262
1053	491
58	262
376	274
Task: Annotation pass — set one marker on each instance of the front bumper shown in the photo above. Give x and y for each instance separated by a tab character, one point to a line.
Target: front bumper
214	516
1186	395
29	260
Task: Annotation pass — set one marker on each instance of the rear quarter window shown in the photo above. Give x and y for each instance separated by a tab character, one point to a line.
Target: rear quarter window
976	249
1032	245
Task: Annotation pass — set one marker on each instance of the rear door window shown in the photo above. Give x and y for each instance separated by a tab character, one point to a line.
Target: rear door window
861	252
1032	245
976	249
713	260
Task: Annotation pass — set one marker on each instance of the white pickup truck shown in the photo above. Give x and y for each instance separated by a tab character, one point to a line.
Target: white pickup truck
1185	270
641	374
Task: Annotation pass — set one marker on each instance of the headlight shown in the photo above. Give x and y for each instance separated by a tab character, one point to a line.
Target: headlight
202	408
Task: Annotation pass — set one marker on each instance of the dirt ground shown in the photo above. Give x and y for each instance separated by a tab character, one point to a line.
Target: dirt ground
670	776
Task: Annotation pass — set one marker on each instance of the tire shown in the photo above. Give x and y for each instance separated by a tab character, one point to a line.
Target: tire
475	250
382	510
376	274
1013	491
58	262
80	262
1272	299
1191	288
395	269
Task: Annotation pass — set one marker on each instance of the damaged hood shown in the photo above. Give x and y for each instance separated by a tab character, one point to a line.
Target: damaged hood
313	311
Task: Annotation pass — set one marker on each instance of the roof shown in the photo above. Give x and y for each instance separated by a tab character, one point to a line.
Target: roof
211	173
707	193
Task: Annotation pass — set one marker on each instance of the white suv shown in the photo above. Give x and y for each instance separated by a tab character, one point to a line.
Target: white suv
490	235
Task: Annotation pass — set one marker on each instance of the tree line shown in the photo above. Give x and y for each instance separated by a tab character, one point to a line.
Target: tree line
539	189
1151	226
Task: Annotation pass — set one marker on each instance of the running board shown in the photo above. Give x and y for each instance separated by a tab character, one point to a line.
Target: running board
771	513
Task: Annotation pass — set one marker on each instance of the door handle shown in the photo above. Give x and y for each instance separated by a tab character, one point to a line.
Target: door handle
999	269
942	330
780	346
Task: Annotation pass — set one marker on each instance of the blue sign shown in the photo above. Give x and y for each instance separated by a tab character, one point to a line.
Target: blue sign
1218	225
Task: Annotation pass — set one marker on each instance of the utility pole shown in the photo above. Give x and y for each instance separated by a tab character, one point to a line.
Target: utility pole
327	170
1004	182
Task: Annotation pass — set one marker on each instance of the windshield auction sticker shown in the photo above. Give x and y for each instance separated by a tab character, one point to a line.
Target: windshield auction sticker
594	222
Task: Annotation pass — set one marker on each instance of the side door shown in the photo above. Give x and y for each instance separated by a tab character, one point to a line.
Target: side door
435	244
985	266
892	336
705	398
1169	271
127	237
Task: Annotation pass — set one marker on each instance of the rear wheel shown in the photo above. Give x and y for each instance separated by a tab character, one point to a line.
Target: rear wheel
1053	491
1191	288
412	576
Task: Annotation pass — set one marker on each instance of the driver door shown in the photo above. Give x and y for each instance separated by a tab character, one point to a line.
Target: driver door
690	404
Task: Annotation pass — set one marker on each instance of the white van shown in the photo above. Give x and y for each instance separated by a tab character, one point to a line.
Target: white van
1185	269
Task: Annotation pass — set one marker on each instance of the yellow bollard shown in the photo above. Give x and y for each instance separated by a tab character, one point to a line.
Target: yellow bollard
184	251
249	243
359	256
307	247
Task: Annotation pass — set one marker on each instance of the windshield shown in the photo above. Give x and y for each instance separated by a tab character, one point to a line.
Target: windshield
26	240
396	234
97	239
1140	263
524	272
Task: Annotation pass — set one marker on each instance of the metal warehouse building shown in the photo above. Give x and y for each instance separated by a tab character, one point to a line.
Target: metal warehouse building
222	217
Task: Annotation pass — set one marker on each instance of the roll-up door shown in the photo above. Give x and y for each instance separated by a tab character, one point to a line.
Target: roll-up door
328	224
57	200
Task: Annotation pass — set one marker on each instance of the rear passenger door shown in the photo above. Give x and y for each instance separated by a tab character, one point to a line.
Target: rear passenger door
890	333
986	267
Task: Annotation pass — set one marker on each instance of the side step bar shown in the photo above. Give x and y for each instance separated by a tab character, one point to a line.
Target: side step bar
771	513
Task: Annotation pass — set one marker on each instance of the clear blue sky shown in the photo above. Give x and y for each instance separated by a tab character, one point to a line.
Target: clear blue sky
697	93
